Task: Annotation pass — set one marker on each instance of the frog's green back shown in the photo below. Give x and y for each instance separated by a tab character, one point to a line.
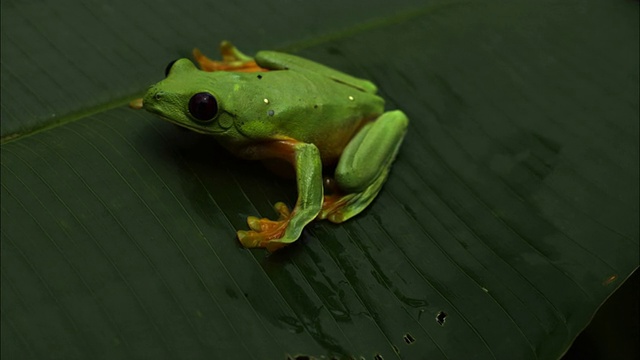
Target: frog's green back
303	105
280	61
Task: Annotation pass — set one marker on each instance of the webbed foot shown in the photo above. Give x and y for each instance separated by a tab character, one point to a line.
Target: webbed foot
266	233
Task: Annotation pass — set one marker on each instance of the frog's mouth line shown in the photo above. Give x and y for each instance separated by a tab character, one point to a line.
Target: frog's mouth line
200	130
193	128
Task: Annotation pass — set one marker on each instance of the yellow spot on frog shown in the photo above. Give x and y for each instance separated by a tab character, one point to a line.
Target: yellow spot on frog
266	101
351	98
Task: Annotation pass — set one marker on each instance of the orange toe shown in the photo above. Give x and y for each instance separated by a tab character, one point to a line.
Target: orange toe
264	231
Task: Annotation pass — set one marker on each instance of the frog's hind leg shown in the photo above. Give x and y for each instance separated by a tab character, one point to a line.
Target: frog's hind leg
364	166
232	60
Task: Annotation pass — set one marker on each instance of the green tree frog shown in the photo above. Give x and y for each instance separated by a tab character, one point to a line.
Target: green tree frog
280	106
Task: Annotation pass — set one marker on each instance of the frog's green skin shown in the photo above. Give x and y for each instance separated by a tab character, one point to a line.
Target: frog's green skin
299	111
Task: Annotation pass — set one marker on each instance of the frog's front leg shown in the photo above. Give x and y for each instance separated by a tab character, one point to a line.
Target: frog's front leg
364	165
287	229
232	60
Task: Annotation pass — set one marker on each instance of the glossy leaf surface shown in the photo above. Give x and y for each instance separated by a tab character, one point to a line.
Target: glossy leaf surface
510	215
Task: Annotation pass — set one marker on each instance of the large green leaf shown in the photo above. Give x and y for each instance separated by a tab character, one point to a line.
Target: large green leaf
510	215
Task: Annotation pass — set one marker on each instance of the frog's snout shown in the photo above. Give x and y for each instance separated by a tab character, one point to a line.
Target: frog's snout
158	95
152	98
153	95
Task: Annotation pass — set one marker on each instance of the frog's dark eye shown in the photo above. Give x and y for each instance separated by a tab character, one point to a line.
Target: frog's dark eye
203	106
168	68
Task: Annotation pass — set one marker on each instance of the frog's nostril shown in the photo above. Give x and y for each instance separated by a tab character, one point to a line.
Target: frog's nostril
154	93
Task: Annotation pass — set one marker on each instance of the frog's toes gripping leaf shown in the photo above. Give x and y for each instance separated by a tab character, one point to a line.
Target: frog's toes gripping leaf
266	233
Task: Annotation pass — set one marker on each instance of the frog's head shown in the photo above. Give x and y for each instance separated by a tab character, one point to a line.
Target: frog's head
185	97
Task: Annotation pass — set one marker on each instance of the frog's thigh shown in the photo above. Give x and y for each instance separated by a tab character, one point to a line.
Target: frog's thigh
370	153
364	165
